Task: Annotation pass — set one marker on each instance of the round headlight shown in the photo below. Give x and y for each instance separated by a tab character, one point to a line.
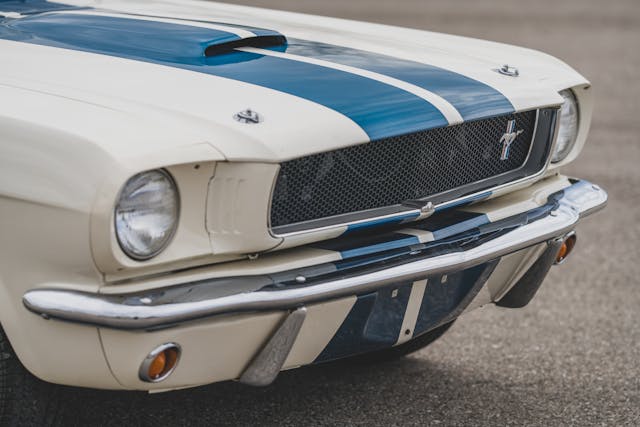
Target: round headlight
568	129
146	214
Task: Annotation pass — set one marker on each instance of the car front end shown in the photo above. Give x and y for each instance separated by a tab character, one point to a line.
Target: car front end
272	203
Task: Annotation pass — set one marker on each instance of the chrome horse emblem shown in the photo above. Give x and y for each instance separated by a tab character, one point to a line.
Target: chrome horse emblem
509	138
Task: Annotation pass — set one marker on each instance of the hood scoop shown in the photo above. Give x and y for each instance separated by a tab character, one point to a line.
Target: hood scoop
263	41
147	38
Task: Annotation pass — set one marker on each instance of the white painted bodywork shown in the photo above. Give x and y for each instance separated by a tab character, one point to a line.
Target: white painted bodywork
74	126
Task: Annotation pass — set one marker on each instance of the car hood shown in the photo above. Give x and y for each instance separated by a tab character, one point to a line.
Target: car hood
255	84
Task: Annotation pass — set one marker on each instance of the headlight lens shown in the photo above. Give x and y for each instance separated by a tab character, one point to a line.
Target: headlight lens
146	215
568	131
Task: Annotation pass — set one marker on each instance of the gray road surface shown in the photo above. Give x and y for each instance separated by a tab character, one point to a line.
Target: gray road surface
572	357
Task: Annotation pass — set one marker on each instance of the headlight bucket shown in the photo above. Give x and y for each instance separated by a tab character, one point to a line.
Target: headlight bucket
146	214
568	129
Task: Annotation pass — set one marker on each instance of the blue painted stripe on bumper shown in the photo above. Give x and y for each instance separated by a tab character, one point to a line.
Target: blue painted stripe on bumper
443	295
473	99
373	323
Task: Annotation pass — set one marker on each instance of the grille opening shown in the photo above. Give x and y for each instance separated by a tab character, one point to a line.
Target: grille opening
259	42
377	177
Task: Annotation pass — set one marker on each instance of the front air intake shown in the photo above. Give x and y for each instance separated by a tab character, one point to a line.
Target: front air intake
436	165
259	42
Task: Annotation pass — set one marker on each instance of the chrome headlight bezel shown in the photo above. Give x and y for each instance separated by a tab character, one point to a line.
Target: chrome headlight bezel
167	204
568	127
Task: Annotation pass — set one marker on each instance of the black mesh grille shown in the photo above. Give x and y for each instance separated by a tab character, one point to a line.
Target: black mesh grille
390	171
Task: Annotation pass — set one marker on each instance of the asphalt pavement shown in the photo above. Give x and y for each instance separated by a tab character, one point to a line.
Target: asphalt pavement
572	357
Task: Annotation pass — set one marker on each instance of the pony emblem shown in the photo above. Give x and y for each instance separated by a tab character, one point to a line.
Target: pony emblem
509	138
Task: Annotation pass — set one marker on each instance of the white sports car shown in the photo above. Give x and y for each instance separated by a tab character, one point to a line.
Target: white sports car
193	192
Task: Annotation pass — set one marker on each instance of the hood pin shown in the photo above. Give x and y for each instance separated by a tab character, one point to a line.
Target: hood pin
248	116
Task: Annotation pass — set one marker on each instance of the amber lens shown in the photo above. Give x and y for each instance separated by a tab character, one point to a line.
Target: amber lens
172	359
562	253
566	248
163	364
159	366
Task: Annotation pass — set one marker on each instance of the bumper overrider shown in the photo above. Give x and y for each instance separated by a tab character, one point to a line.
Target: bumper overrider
382	276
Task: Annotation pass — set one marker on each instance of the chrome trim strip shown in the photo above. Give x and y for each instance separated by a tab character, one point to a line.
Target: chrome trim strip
132	312
531	178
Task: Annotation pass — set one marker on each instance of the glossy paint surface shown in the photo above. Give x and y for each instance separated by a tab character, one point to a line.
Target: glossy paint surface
295	125
70	112
381	110
32	6
473	99
147	40
376	319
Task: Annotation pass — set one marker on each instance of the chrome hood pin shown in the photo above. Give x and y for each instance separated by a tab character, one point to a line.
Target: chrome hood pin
248	116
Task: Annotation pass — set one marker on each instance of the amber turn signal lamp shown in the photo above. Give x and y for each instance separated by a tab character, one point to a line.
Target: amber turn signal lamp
566	248
160	363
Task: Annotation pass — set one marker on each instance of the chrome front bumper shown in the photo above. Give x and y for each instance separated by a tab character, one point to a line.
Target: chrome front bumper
164	308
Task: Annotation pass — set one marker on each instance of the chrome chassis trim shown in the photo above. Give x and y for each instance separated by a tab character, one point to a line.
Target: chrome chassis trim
133	313
444	205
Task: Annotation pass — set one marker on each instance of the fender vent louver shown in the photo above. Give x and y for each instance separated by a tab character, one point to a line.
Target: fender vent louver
260	42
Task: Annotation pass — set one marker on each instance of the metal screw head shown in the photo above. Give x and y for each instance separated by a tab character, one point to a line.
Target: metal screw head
248	116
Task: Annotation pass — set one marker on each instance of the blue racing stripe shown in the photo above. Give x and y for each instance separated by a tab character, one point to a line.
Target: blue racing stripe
380	247
26	7
150	41
473	99
444	296
381	110
374	322
369	243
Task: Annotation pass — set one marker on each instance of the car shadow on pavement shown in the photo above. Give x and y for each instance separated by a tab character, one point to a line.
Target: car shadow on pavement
331	394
